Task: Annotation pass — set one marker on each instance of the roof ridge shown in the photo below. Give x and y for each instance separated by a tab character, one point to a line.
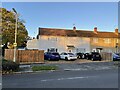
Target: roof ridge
64	29
77	30
76	33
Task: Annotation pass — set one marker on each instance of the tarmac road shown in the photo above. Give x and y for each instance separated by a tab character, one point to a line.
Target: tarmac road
104	78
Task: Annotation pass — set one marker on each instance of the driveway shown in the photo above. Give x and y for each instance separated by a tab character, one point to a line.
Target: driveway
76	61
79	65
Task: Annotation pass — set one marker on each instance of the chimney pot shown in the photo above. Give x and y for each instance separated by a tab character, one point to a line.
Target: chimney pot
74	28
116	31
95	30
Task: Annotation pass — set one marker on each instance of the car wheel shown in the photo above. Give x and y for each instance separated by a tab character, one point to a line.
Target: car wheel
83	56
49	59
78	57
113	59
87	58
66	58
92	59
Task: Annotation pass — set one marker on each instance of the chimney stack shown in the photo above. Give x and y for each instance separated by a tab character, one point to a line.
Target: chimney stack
95	30
74	28
116	31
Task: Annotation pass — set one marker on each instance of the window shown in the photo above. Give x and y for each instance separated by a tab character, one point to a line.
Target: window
107	40
70	53
52	38
55	53
65	53
117	41
95	40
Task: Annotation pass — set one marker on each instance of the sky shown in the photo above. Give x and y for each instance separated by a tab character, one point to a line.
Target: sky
85	15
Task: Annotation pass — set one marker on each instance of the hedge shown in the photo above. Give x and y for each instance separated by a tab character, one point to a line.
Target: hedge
8	66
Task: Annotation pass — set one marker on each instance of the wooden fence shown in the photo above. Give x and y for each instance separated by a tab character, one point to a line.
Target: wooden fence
106	56
25	56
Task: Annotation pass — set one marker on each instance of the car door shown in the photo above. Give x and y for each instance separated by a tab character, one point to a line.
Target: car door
46	55
65	55
62	55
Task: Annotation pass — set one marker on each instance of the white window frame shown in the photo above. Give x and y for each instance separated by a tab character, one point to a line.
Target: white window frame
52	38
107	40
95	40
117	40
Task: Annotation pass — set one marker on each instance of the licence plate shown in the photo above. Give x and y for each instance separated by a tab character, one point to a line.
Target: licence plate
97	55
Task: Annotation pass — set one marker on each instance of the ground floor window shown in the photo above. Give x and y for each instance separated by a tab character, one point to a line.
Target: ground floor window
82	50
52	50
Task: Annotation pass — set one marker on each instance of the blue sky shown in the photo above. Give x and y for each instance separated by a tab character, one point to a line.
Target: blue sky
85	15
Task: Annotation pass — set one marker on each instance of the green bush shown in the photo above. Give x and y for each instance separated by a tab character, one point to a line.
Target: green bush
38	68
8	65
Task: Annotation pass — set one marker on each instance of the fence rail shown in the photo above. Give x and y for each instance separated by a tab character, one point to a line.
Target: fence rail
25	56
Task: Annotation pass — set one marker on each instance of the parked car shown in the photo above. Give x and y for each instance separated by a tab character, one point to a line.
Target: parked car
68	56
94	56
85	55
80	55
51	56
116	56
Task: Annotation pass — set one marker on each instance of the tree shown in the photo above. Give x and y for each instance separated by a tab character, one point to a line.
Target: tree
8	28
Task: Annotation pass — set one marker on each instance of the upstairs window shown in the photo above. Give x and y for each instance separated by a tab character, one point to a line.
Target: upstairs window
107	40
117	41
52	38
95	40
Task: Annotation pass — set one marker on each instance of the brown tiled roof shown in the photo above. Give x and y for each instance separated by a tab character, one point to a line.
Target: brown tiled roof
76	33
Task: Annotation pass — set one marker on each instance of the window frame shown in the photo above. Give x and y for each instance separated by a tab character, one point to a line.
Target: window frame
107	40
95	40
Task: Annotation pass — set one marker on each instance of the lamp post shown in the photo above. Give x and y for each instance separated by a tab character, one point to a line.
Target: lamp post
116	47
15	43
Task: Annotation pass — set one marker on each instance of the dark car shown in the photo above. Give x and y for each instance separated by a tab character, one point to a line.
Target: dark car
94	56
80	55
116	56
51	56
86	55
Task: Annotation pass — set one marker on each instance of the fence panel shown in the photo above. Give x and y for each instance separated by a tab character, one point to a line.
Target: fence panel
25	56
106	56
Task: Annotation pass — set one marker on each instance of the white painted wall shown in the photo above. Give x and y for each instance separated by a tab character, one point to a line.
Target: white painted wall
33	44
60	42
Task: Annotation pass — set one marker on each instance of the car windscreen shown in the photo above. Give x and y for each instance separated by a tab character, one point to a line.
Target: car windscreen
79	53
55	53
95	53
118	54
70	53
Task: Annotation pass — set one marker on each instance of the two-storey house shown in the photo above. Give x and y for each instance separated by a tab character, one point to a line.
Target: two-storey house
64	40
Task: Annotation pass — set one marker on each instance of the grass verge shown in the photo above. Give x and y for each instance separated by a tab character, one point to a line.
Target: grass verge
117	63
39	68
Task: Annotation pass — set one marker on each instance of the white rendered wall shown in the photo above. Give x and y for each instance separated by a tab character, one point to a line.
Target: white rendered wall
60	42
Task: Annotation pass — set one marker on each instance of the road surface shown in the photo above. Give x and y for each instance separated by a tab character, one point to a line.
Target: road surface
104	78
